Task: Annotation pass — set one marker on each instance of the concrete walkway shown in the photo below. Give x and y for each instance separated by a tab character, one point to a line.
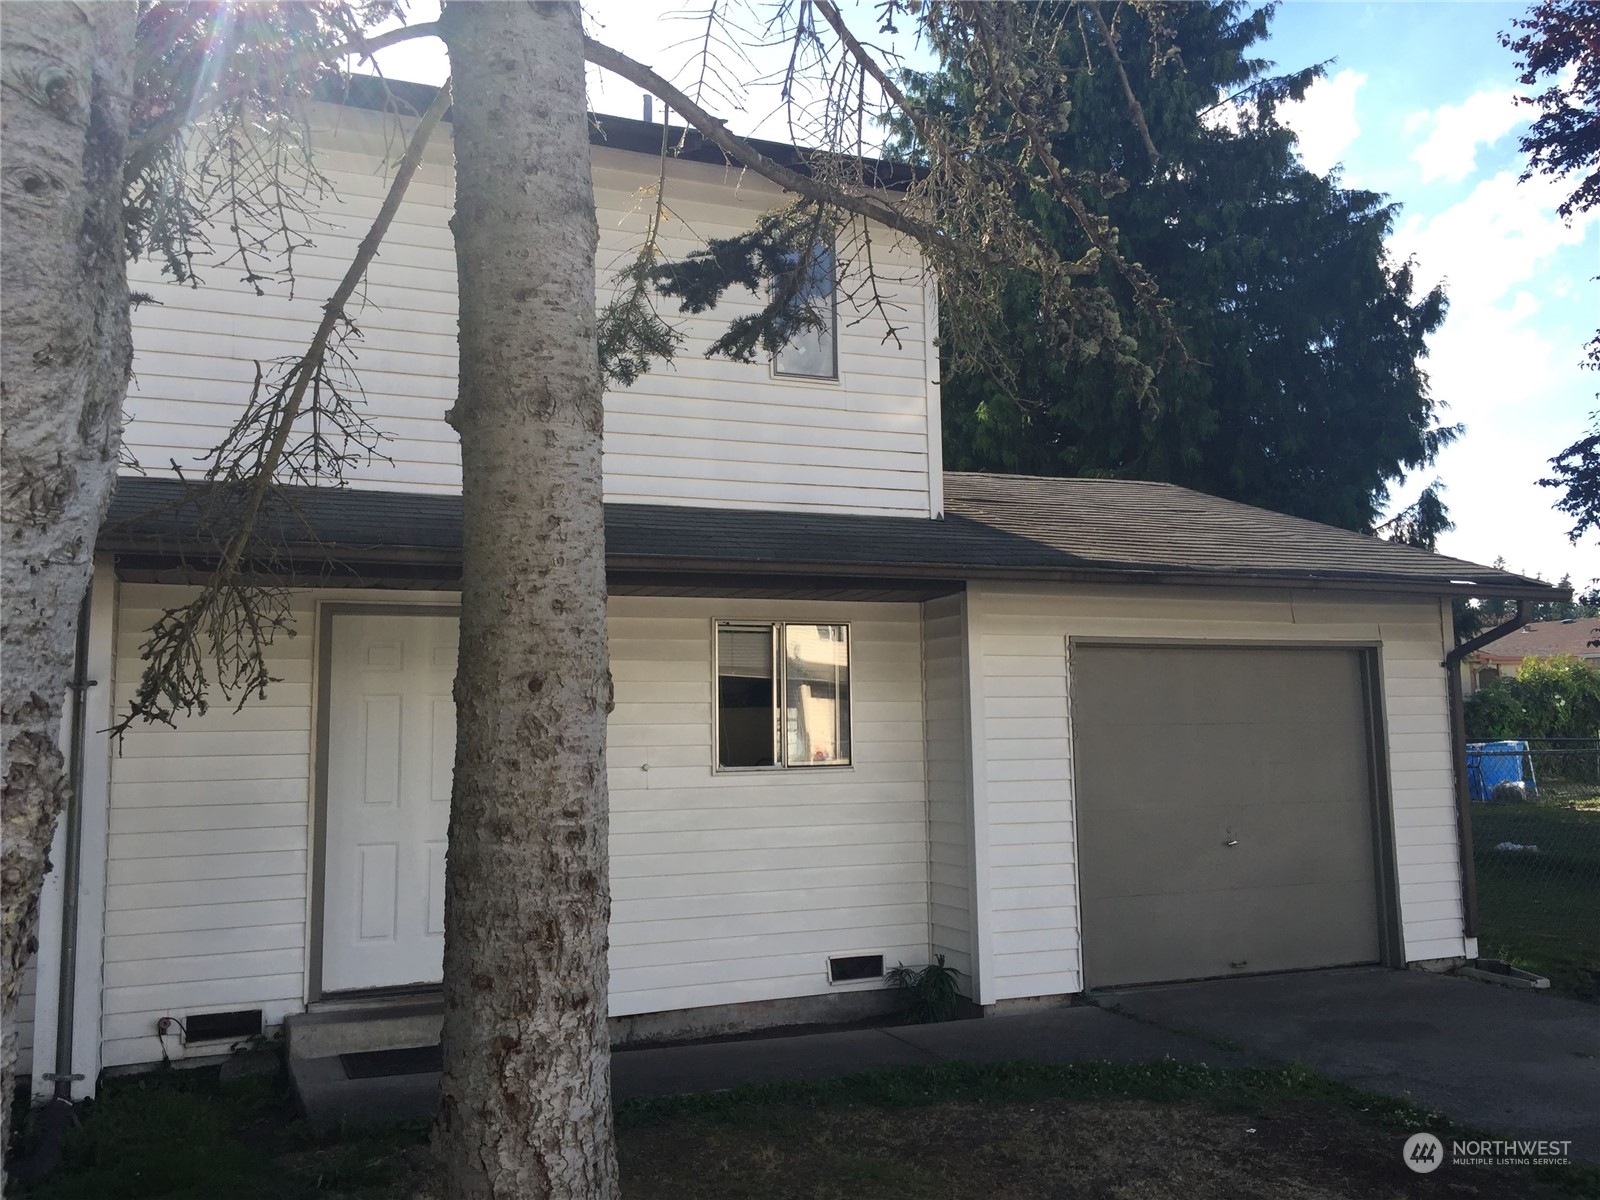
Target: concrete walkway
1505	1060
1057	1035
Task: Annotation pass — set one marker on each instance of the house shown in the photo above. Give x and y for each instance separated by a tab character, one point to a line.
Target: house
1069	734
1576	636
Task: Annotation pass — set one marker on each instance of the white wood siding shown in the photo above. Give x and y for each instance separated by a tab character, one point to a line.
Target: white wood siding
949	784
1023	772
702	431
736	886
726	887
206	884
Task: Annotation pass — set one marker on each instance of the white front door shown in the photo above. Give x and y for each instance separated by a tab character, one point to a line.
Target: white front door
390	753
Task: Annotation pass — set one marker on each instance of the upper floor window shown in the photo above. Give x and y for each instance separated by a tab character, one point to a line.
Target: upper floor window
783	695
813	352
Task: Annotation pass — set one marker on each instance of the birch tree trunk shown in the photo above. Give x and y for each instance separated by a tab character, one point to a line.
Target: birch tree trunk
64	362
525	1106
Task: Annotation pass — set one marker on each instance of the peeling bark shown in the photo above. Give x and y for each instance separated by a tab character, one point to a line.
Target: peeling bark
64	364
525	1106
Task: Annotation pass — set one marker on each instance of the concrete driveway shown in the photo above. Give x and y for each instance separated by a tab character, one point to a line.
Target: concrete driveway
1506	1060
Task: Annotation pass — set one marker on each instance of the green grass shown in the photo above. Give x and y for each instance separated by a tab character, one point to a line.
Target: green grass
182	1135
1541	911
1149	1130
1160	1082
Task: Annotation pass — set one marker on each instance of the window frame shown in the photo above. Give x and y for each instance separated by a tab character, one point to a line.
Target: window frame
833	338
780	681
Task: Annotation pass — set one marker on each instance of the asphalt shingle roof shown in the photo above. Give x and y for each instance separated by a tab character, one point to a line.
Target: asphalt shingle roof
1542	639
995	526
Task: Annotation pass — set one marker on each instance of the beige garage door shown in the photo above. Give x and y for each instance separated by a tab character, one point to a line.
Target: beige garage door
1224	811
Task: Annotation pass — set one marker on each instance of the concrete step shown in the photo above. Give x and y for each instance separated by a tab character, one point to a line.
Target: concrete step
332	1100
390	1025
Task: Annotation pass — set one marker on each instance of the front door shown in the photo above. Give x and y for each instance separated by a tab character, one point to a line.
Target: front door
390	747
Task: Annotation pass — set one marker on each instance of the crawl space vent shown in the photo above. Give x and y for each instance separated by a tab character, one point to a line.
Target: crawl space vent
850	967
222	1026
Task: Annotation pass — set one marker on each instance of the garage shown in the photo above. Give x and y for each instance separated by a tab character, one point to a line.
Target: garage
1227	819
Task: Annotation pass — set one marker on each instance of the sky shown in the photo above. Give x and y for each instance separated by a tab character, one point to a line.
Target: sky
1418	103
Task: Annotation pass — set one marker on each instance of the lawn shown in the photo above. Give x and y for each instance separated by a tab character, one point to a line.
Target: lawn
1541	911
1141	1132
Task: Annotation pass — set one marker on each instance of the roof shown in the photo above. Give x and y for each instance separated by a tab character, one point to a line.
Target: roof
606	129
995	527
1541	639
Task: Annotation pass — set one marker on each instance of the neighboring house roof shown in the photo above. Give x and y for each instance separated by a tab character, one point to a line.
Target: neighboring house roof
1542	639
995	527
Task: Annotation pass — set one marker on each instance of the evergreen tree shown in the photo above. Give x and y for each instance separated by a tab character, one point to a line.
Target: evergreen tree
1557	44
1421	522
1302	389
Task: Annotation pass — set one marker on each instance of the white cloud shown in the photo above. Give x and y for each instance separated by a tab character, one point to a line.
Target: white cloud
1506	364
1502	235
1325	121
1450	151
1503	379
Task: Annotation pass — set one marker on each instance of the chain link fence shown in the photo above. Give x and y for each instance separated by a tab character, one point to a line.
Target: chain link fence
1536	848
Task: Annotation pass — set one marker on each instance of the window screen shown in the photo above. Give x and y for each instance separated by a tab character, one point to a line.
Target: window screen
746	696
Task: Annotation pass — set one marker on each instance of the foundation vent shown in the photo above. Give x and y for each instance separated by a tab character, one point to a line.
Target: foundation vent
847	968
222	1026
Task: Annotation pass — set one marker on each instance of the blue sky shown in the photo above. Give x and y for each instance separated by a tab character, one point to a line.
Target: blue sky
1418	104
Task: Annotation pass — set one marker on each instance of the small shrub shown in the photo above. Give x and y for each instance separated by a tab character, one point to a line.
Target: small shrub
932	992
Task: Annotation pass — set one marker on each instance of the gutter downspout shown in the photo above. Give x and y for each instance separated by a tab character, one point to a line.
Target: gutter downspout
1458	746
56	1116
72	868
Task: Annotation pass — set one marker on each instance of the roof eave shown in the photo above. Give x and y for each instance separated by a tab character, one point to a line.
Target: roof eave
375	93
1112	573
306	554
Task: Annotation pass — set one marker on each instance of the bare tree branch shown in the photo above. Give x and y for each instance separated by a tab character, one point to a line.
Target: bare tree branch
366	47
872	67
1134	108
873	206
236	619
147	142
1098	229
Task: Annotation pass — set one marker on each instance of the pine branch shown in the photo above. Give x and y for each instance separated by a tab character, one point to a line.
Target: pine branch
174	677
629	331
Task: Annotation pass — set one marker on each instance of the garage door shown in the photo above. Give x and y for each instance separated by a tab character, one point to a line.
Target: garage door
1225	815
